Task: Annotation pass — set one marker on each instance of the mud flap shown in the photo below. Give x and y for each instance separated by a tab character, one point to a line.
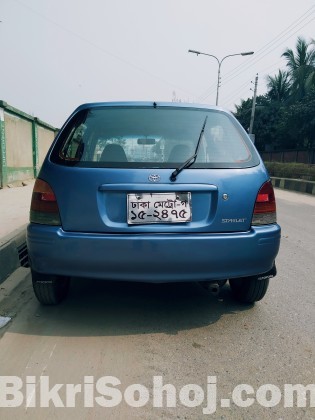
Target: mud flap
271	273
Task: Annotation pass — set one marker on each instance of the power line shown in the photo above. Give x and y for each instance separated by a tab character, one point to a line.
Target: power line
282	34
231	77
265	50
236	91
103	50
266	53
263	56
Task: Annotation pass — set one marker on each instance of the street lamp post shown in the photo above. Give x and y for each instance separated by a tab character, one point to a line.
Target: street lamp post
219	63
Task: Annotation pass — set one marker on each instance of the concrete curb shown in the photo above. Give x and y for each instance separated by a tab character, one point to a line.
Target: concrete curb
298	185
12	248
12	283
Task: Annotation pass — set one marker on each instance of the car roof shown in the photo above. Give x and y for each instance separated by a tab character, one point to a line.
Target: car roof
150	104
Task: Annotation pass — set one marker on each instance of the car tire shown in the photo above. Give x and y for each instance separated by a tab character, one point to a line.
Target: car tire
249	289
50	289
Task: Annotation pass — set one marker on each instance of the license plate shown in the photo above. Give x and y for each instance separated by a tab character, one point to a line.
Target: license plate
159	208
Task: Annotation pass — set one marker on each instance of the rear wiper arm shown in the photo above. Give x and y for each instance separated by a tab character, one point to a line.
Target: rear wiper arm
192	158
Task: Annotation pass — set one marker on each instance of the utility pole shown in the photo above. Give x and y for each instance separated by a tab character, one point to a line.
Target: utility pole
253	108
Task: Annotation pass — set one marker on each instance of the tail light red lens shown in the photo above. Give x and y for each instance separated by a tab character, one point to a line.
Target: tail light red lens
265	207
44	206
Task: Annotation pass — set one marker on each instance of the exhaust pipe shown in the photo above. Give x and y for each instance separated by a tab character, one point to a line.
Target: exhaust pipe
212	287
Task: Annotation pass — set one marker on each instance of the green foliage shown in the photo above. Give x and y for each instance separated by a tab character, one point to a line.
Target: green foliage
299	123
301	66
268	120
279	87
291	170
285	116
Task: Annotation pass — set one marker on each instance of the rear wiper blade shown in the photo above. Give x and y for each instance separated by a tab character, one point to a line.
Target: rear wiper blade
192	158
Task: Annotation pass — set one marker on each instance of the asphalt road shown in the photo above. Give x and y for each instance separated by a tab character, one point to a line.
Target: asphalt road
178	333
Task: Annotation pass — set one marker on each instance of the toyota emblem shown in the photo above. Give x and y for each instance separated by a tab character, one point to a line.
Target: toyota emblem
154	178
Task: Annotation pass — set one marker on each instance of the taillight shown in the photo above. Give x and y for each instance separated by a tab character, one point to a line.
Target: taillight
265	206
44	206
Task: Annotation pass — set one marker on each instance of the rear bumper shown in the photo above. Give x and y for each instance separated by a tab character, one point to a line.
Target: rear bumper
153	258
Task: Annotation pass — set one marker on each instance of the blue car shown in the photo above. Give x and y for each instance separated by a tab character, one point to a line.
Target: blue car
153	192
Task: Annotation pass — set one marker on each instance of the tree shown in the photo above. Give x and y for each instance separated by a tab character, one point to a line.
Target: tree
267	120
279	86
301	65
310	81
285	116
298	123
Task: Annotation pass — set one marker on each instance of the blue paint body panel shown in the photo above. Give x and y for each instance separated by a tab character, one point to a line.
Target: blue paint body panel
95	239
153	258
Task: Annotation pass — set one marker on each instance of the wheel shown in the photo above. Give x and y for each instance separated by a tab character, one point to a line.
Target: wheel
249	289
50	289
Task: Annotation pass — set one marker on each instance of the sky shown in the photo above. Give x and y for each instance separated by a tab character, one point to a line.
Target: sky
58	54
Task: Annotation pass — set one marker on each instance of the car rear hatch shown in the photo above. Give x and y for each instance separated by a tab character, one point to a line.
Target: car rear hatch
112	171
97	201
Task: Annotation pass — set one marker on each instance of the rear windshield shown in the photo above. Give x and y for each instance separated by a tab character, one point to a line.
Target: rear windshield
143	137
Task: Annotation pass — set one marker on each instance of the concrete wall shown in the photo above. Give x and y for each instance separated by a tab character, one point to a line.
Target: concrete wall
45	139
19	149
24	142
